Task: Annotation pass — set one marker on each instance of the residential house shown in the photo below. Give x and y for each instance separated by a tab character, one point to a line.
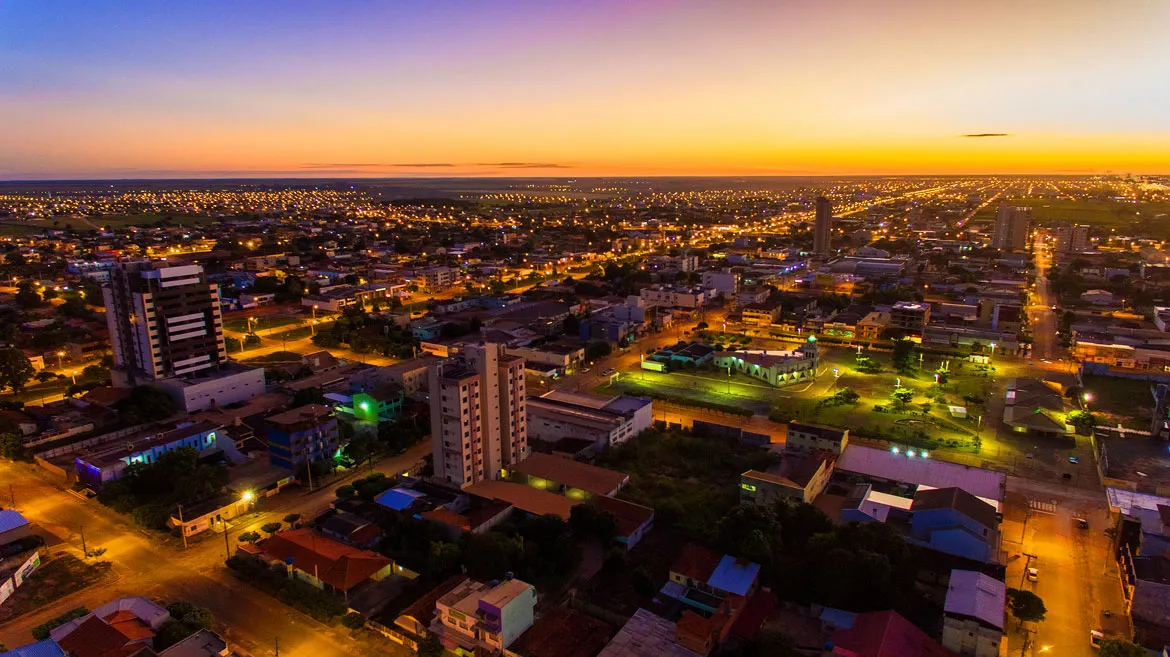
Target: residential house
804	437
604	421
973	615
302	435
884	634
953	521
13	527
910	317
120	627
799	478
474	616
762	314
1030	405
321	561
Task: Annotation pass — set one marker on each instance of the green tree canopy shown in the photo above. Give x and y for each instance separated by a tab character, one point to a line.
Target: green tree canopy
15	369
1025	605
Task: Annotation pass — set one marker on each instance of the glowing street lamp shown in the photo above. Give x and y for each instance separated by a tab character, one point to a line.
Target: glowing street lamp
248	496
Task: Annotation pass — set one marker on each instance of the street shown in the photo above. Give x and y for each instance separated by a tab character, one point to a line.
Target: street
1078	580
146	563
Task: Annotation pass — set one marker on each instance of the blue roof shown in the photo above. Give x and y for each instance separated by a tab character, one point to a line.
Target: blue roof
734	576
398	498
46	648
10	519
838	618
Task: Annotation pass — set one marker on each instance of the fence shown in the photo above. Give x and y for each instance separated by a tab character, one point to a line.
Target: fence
12	583
393	634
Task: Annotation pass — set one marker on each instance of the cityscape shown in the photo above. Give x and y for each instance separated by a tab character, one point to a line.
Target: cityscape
505	368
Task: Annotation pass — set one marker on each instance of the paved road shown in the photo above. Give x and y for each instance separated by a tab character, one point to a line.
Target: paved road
1078	580
1044	324
146	564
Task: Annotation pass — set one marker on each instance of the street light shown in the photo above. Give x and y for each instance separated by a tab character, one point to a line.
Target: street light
248	496
60	357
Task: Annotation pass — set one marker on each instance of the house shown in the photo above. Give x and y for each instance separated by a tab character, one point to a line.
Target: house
563	632
351	529
761	315
804	437
633	520
685	353
475	617
381	404
322	561
1030	406
884	634
13	527
917	470
304	434
973	615
909	317
646	634
872	325
411	375
701	578
203	643
1098	297
572	478
777	368
105	462
1149	581
605	421
953	521
799	478
119	628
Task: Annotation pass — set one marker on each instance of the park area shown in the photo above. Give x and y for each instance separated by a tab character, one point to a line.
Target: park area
1114	400
864	392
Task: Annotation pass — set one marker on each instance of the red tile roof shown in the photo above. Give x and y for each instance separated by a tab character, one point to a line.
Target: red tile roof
95	638
695	562
885	634
336	564
757	610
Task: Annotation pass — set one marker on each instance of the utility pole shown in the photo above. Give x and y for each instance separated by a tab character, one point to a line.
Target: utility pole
12	496
182	527
84	550
227	549
277	646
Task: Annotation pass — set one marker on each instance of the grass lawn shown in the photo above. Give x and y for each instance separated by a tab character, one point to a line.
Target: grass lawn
274	357
1128	218
1127	401
55	579
690	481
240	324
692	390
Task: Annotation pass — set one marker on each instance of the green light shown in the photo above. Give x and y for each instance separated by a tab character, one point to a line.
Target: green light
365	406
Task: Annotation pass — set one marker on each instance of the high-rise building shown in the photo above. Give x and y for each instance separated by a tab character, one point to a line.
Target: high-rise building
479	424
1071	238
823	228
164	321
1011	228
166	329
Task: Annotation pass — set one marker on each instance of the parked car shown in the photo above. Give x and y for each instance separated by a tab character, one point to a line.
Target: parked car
608	372
1033	575
1083	523
1074	460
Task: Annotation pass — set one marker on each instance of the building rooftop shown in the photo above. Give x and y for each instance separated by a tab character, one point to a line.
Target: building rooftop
528	499
575	474
975	595
885	634
734	575
562	632
884	464
336	564
959	500
203	643
306	413
646	634
10	519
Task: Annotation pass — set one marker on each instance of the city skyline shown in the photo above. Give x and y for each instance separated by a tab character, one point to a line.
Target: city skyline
604	89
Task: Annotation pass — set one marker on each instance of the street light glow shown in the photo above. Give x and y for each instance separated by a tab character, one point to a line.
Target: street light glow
249	496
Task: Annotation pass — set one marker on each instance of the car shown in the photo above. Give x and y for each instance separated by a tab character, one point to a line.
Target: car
1096	638
585	369
1033	575
1074	460
608	372
1029	455
1054	307
1083	523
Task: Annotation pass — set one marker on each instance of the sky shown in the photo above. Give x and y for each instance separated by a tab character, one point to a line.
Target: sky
388	88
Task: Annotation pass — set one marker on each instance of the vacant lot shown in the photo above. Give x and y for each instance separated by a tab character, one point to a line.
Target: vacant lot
1116	401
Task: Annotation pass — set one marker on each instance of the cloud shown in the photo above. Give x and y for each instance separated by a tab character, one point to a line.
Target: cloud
989	134
376	165
526	165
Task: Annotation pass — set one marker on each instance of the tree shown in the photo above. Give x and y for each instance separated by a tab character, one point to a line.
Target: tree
597	350
292	519
1081	419
749	531
15	370
306	396
1121	648
248	537
903	350
902	396
353	620
27	296
1025	606
12	447
430	646
271	528
147	404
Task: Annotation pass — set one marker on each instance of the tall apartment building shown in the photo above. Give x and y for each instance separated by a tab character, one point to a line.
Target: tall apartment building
479	424
823	228
164	321
1011	228
166	329
1071	238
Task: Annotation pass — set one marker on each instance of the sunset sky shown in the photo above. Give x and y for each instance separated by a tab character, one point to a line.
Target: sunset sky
128	89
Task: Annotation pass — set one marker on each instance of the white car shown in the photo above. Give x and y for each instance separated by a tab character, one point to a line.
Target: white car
1033	575
1096	637
608	372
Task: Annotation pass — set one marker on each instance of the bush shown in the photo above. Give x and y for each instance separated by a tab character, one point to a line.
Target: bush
41	632
299	595
353	620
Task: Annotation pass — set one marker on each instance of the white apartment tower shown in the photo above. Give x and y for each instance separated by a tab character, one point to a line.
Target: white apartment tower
164	321
479	424
1011	228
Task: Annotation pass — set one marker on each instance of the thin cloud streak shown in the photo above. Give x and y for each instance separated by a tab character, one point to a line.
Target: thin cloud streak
988	134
